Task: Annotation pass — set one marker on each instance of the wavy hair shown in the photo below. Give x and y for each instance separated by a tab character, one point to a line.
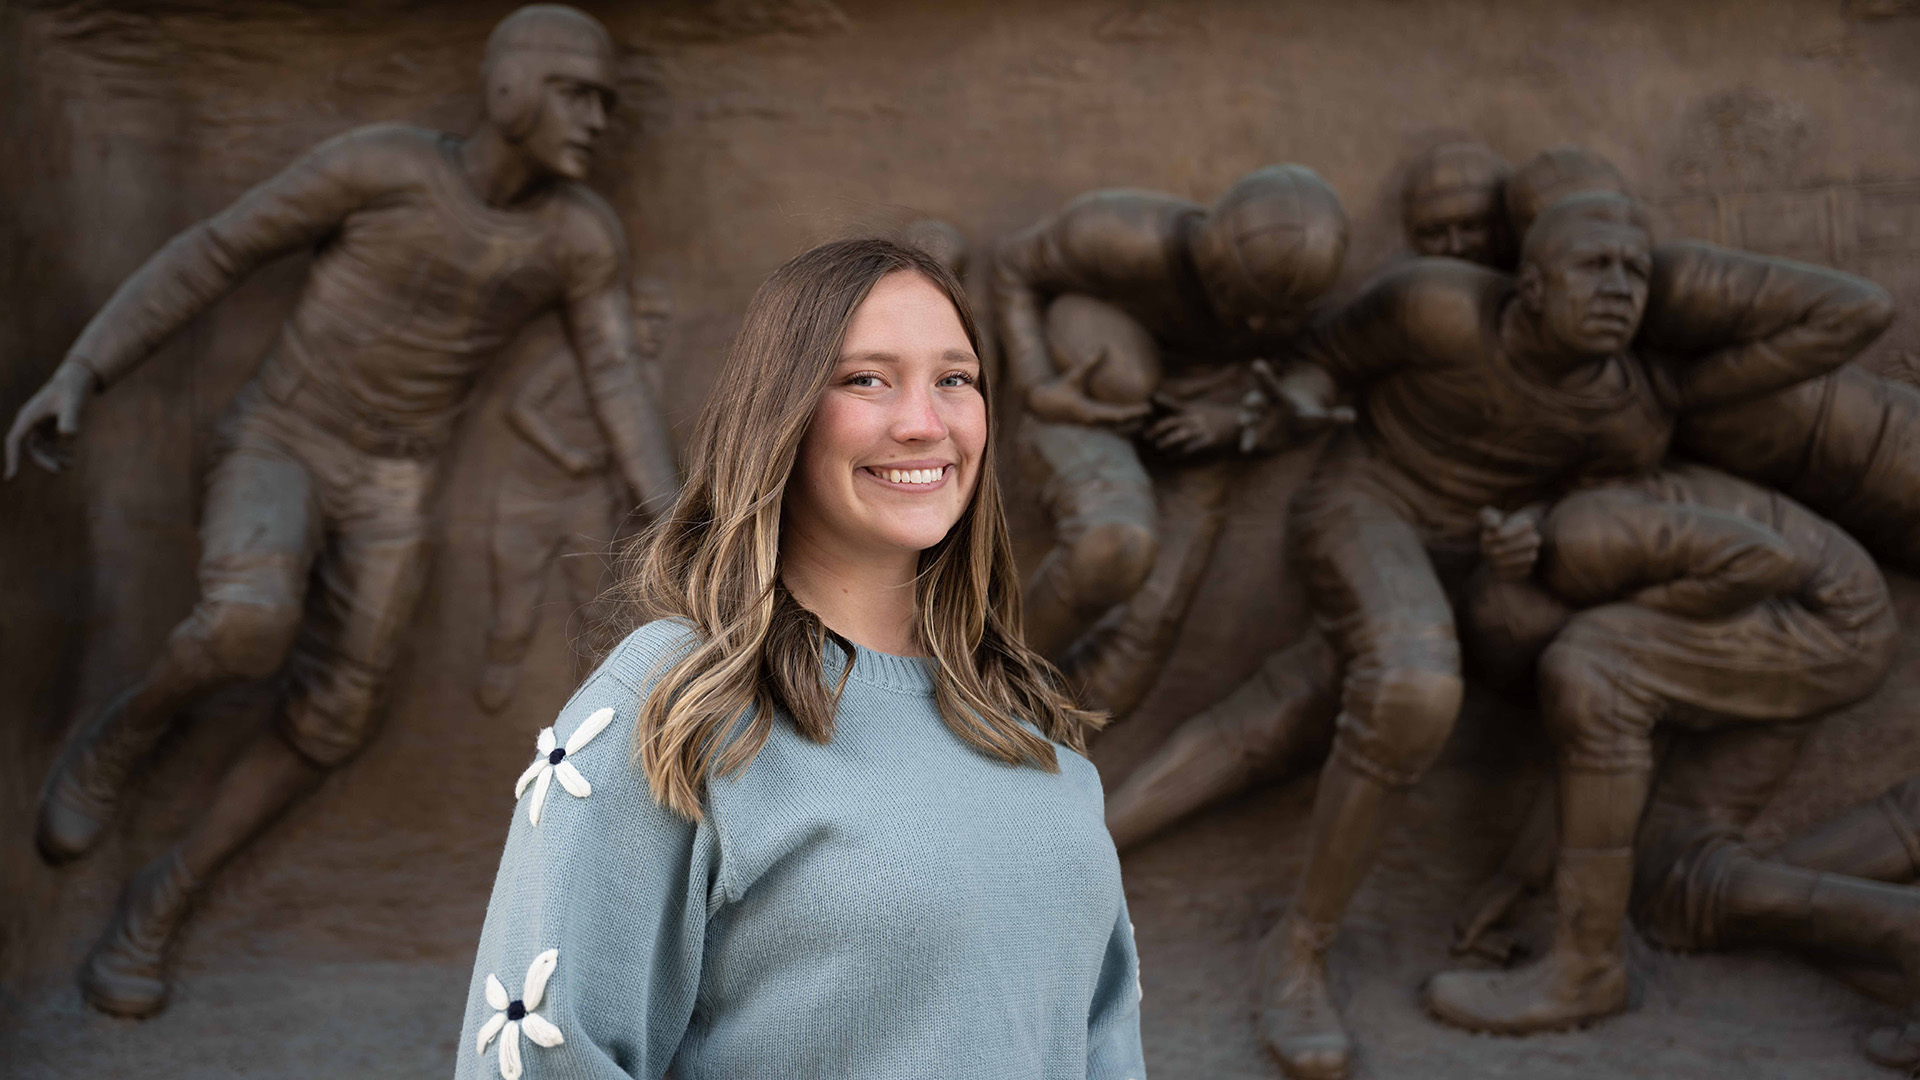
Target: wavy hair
714	561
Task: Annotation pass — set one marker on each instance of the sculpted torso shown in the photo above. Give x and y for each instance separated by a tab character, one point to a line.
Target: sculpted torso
1457	423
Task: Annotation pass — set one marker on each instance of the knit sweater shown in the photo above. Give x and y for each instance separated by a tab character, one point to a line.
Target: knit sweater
891	904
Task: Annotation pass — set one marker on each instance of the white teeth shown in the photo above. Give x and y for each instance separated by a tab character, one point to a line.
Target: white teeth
914	476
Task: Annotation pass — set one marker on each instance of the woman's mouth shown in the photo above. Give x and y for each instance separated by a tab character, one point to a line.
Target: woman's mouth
921	479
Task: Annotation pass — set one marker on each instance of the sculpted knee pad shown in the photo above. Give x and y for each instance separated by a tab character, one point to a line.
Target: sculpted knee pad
1594	720
1111	560
241	640
1397	718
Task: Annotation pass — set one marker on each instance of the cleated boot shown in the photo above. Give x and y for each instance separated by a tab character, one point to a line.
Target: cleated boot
1582	978
84	788
125	973
1297	1019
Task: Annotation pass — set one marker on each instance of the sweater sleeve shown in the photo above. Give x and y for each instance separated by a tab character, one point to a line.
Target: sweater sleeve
1113	1025
589	960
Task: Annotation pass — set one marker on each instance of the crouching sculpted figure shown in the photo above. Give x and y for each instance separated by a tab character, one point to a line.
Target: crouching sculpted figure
430	251
1736	617
1129	319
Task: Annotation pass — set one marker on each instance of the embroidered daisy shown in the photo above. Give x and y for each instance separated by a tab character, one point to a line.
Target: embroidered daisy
517	1015
552	764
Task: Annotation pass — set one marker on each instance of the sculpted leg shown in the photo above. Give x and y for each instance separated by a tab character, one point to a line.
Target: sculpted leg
1602	723
1119	660
1279	720
1879	840
1375	591
367	583
521	545
255	548
125	974
1773	902
1102	505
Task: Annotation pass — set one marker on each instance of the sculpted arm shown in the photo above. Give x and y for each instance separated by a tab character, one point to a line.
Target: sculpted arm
1608	545
527	415
1376	332
1028	271
292	210
600	323
1398	318
1745	325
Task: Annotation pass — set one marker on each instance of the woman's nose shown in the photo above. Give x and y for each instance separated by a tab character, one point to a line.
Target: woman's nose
917	418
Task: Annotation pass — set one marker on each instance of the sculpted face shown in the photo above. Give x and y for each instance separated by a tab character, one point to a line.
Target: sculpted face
1588	287
898	439
572	114
1462	228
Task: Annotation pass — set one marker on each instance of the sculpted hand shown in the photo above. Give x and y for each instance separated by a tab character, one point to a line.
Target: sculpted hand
1065	400
1510	542
1192	427
50	419
1289	408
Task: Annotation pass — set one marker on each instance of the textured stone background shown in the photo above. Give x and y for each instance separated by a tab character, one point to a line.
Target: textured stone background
751	129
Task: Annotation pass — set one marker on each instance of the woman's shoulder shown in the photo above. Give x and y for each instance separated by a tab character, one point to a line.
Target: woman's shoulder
643	654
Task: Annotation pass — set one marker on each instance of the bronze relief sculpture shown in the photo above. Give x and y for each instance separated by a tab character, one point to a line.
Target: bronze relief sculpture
1482	401
430	251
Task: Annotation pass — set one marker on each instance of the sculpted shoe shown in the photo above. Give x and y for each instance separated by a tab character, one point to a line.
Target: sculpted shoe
124	974
1581	979
1297	1018
83	790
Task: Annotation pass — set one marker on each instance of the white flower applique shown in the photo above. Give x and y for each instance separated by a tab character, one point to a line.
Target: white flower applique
552	764
516	1015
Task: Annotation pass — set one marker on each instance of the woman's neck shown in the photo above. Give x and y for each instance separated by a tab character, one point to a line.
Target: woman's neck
866	599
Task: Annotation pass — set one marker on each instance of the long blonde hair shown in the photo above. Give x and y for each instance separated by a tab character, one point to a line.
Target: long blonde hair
714	561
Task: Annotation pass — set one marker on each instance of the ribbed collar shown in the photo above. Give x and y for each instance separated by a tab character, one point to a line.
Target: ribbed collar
900	674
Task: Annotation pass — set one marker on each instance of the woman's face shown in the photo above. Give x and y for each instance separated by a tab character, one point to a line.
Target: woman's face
896	443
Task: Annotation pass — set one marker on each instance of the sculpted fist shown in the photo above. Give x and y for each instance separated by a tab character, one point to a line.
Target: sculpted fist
1510	542
50	419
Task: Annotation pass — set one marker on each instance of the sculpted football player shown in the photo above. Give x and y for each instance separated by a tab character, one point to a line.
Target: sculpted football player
429	252
1453	203
1129	320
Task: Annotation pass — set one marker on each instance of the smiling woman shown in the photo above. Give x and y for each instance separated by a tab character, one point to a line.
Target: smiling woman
856	836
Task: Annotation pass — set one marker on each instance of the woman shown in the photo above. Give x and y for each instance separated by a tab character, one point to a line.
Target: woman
854	836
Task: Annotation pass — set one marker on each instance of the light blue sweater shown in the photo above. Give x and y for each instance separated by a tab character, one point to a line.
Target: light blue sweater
893	904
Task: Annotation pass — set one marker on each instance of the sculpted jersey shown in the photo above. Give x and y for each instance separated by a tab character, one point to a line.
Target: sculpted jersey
1449	423
415	280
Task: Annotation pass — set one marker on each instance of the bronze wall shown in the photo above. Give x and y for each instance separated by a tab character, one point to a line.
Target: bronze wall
751	129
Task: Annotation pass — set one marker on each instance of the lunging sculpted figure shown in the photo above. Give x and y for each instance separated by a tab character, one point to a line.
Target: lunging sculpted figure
430	251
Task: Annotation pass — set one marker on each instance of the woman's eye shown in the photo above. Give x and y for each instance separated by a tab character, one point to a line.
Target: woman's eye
958	378
865	378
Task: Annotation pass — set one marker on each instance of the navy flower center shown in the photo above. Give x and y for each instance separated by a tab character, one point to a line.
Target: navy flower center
554	758
516	1009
